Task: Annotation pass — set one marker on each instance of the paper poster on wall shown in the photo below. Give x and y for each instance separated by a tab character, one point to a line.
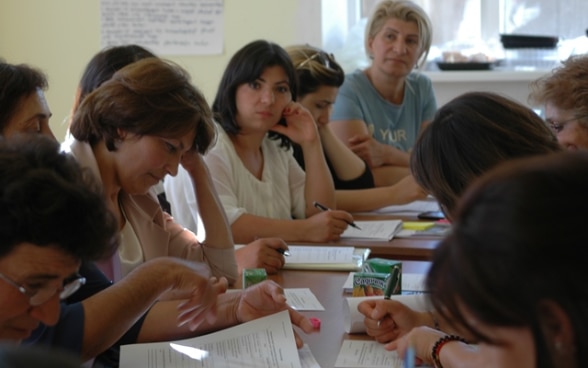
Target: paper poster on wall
166	27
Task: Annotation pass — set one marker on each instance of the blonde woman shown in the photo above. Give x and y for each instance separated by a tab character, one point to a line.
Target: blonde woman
380	111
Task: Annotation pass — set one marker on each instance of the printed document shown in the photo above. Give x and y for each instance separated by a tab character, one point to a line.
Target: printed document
302	299
264	342
356	353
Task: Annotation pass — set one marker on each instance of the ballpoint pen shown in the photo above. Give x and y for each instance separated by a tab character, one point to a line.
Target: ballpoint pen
283	251
323	208
409	357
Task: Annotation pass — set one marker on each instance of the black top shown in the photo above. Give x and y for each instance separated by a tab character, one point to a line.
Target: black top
364	181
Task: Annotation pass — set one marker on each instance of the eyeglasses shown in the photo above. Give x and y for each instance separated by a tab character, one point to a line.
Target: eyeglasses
321	57
42	295
557	126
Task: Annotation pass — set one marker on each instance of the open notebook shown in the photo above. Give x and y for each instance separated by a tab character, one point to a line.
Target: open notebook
313	257
373	230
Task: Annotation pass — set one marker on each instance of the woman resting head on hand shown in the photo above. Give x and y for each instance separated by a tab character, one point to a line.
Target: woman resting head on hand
262	188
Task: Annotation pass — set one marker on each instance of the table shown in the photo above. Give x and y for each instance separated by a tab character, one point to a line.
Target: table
420	249
328	288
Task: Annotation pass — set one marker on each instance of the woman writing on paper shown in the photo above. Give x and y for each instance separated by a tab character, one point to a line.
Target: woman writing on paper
495	277
261	186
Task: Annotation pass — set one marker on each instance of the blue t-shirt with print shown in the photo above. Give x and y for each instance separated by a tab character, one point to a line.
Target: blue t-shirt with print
396	125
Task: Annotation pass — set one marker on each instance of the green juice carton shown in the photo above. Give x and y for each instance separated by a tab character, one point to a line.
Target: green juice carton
392	267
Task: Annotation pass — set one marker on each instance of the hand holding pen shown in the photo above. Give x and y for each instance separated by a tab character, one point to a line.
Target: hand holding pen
324	208
267	253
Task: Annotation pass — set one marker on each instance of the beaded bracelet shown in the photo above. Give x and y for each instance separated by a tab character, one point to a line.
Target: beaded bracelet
439	344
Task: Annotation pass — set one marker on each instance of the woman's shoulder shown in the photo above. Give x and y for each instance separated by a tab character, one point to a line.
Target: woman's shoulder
419	79
356	83
355	78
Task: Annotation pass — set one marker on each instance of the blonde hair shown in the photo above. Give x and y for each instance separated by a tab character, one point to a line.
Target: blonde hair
314	68
406	11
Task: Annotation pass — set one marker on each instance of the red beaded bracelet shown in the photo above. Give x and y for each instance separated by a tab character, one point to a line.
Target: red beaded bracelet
439	344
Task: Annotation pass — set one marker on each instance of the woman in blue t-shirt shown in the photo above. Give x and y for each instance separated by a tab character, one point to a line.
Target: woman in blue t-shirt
381	110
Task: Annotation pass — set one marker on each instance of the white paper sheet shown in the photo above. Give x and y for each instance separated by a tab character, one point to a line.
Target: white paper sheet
366	354
303	299
264	342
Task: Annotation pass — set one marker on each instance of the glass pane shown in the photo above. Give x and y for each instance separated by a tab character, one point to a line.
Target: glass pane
565	18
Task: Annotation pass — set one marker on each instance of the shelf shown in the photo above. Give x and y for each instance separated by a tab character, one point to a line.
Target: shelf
495	75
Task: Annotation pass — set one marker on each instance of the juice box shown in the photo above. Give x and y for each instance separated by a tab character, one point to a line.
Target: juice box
392	267
370	283
252	276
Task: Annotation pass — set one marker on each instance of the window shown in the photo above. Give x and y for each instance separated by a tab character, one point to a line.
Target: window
462	24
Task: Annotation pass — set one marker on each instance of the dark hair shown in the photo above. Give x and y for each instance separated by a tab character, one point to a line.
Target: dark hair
315	68
566	87
16	82
47	200
148	97
104	64
517	241
246	66
470	135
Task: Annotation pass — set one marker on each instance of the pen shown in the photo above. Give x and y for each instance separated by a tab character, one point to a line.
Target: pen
323	208
409	357
283	251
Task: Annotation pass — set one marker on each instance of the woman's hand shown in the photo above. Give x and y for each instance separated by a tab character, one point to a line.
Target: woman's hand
192	161
327	225
386	320
300	126
422	339
406	190
376	154
262	253
200	290
268	298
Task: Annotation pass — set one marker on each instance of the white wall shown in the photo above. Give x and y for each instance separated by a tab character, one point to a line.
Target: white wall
60	37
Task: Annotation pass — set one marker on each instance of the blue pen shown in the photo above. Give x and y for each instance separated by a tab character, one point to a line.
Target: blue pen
409	359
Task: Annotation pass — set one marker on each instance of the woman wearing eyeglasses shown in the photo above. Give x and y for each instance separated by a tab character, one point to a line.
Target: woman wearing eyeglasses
564	94
381	110
319	78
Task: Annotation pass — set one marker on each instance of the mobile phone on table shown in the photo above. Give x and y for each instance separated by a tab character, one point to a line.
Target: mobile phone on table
431	215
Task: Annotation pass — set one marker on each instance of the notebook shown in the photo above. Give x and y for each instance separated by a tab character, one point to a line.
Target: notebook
314	257
373	230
